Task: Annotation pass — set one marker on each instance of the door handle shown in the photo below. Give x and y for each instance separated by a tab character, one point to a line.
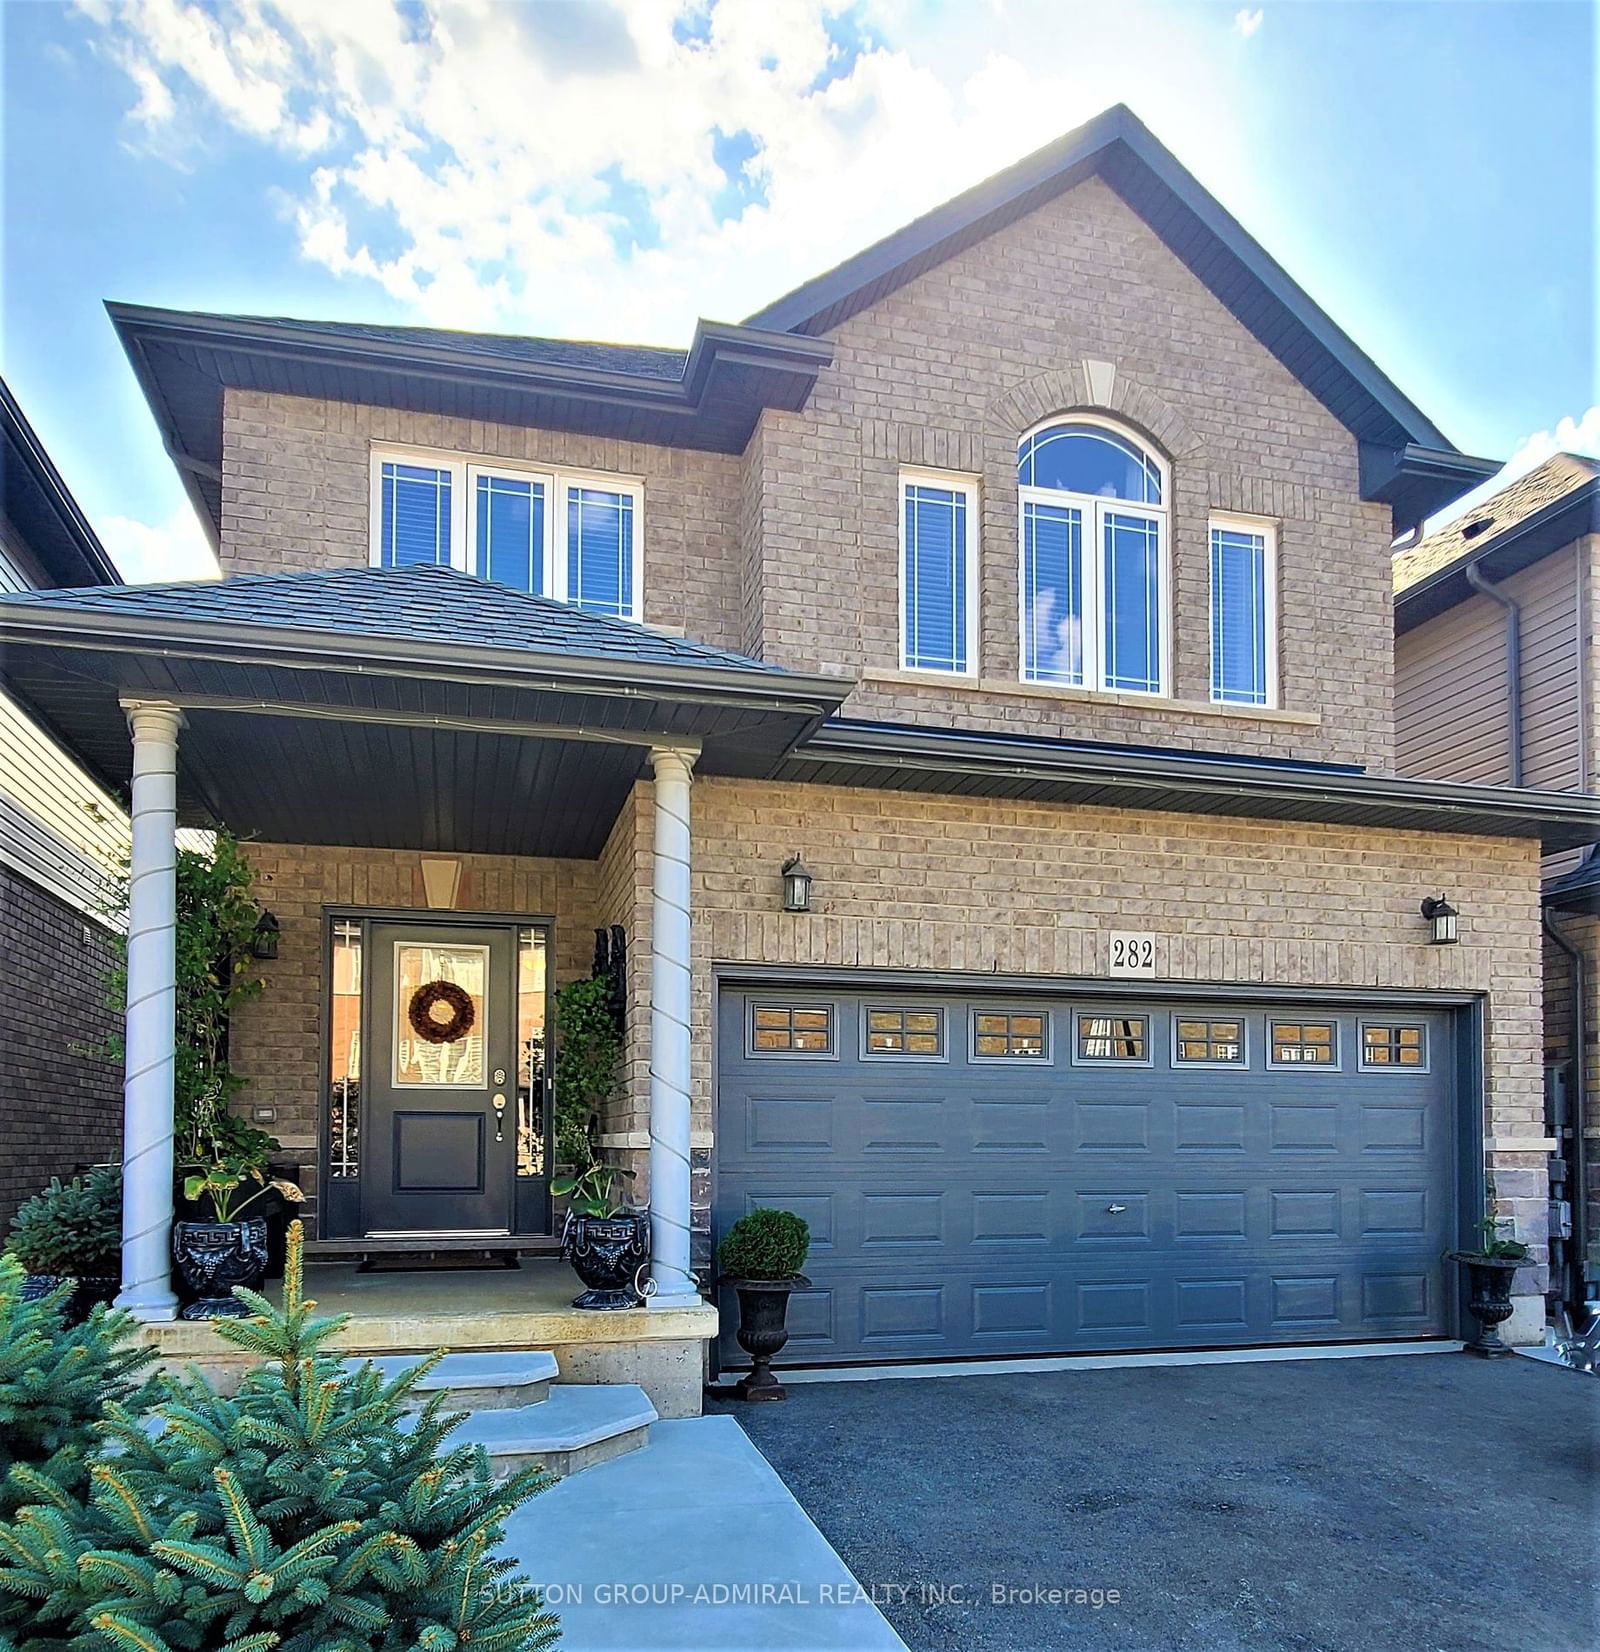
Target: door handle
499	1118
1115	1210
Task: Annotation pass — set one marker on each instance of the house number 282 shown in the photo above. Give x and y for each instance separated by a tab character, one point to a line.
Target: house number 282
1132	954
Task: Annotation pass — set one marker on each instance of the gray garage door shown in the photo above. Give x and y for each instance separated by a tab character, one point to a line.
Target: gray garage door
1028	1176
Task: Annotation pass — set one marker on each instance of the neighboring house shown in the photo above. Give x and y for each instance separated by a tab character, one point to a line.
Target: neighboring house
1026	577
1495	682
61	834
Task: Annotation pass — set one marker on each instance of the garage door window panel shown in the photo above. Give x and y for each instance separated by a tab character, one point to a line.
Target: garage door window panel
1011	1035
793	1030
902	1033
1394	1047
1312	1043
1207	1041
1105	1040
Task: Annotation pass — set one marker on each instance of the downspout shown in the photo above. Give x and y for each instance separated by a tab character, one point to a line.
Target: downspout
1577	1116
1513	663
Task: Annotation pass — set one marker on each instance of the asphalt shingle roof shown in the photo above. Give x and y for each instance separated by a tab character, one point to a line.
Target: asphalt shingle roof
637	360
411	603
1474	531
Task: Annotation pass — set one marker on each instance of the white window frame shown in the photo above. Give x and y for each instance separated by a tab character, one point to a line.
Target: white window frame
1092	511
1266	529
951	482
465	469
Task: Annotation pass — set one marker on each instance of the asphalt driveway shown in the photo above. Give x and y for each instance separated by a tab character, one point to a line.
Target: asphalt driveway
1359	1505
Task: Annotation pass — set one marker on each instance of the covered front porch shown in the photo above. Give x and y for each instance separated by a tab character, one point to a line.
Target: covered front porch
442	782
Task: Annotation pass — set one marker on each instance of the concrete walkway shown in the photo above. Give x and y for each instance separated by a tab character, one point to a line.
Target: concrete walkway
1415	1504
693	1543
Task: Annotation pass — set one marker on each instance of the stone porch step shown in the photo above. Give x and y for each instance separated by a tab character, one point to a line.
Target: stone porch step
490	1381
579	1425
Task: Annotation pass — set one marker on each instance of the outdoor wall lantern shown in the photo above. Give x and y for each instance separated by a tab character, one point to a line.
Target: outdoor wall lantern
796	885
264	942
1442	915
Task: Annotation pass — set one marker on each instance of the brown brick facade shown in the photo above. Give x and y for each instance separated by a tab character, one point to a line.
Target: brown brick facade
296	494
60	1106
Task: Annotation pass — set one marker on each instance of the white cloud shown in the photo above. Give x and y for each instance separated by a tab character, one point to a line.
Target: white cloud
1246	22
1579	435
551	168
146	552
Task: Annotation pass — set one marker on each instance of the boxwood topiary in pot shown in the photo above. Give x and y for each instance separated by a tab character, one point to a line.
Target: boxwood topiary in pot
72	1230
761	1257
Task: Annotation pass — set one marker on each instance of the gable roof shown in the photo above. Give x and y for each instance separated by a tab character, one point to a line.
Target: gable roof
1540	512
36	502
420	604
1117	147
711	395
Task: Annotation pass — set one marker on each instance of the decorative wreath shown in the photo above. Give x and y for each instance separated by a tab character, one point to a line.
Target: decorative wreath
420	1012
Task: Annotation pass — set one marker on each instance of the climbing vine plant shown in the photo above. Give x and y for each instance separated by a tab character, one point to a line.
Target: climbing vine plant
588	1062
217	917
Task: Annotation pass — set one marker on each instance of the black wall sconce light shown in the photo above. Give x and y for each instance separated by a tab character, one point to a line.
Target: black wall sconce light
1443	916
796	885
264	942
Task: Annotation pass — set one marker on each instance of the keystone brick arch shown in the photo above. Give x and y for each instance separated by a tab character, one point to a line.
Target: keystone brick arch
1093	387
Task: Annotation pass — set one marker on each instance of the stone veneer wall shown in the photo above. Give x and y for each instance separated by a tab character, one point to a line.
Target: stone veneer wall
277	1038
59	1106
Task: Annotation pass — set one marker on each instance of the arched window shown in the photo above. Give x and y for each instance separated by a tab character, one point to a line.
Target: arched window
1094	586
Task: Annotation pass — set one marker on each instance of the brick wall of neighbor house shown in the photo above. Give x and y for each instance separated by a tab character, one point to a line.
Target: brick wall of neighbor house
59	1107
948	372
296	494
277	1038
992	886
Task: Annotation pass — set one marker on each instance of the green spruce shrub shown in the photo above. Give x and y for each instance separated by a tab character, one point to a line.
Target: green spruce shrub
72	1227
765	1243
55	1380
307	1513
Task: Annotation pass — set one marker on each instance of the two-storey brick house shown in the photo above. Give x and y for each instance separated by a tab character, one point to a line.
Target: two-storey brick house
1495	681
1027	579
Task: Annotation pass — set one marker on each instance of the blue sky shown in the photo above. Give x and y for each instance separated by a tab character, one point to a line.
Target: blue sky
614	170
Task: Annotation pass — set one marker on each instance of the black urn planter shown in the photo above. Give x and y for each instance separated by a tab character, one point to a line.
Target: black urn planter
1488	1296
606	1253
763	1310
85	1293
212	1258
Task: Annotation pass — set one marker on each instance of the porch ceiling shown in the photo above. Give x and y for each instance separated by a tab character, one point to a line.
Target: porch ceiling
299	733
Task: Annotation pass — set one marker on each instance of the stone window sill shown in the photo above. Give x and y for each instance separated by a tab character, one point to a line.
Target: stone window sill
1142	702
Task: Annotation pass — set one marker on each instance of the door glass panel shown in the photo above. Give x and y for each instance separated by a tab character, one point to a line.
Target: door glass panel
344	1053
530	1051
440	1016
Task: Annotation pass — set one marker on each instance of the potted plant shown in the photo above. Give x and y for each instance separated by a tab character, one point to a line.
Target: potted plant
1490	1271
215	1256
605	1240
72	1230
761	1257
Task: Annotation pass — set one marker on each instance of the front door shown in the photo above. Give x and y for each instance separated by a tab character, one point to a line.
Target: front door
442	1115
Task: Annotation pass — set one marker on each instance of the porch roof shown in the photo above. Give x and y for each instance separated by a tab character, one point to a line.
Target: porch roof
399	708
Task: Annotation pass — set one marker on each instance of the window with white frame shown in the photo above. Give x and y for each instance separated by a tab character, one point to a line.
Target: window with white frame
1094	587
938	572
1244	601
572	537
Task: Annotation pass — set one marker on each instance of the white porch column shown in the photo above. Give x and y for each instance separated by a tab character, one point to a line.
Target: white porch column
669	1033
147	1098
